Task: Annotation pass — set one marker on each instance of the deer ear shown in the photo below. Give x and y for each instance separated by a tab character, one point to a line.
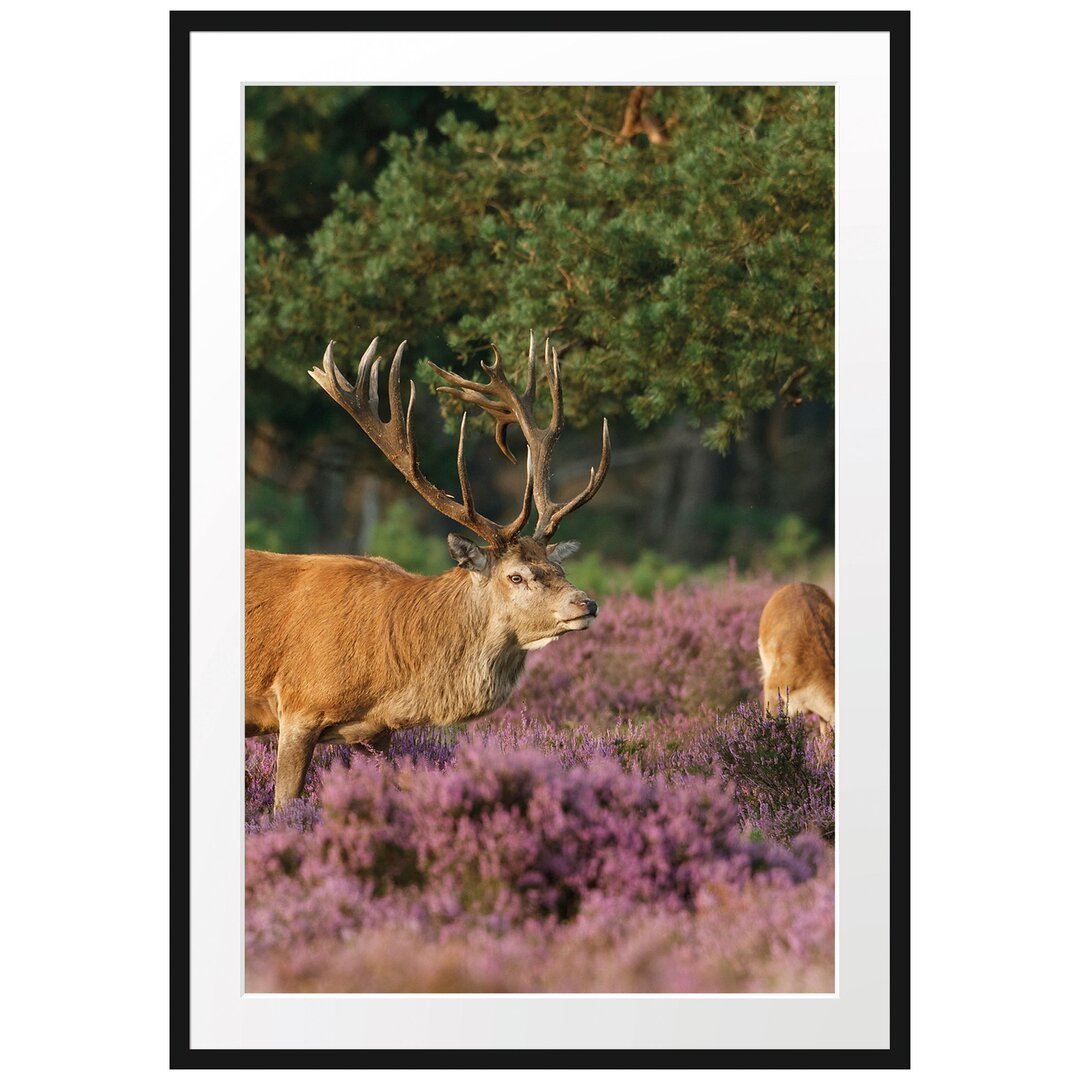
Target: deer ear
563	550
467	554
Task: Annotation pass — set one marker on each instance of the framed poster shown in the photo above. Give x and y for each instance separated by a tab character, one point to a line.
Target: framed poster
675	868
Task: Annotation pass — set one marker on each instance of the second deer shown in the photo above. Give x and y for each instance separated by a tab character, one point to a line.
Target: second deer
796	644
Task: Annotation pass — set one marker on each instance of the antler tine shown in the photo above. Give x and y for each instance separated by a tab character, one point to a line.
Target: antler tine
547	528
472	397
530	385
330	379
373	388
460	383
410	443
395	384
463	475
517	408
526	503
494	369
551	513
365	364
555	386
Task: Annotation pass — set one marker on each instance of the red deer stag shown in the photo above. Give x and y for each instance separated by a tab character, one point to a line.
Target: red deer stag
795	642
348	649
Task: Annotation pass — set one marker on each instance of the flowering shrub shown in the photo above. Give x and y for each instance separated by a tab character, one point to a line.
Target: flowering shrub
781	771
777	769
624	829
680	650
760	938
509	844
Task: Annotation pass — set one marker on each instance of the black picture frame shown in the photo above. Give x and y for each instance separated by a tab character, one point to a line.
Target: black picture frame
185	23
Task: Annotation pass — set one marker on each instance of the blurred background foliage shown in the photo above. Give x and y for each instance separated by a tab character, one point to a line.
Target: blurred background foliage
677	247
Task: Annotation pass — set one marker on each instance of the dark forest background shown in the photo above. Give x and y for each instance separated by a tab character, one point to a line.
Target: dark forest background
675	243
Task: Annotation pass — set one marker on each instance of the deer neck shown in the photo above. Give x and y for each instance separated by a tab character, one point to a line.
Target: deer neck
489	660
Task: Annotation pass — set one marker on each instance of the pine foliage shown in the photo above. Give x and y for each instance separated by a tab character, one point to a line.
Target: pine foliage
691	272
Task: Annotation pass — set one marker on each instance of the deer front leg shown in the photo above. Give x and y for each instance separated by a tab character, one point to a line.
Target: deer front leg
296	744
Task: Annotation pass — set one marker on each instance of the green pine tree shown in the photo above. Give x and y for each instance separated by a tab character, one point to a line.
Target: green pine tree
685	267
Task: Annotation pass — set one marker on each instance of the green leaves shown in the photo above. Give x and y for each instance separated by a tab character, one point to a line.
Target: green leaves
693	275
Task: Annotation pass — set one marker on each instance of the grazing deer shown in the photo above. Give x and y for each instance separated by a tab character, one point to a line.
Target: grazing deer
795	642
348	649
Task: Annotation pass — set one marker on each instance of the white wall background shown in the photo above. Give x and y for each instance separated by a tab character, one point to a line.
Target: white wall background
83	439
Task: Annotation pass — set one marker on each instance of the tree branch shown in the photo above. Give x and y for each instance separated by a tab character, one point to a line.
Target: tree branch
637	121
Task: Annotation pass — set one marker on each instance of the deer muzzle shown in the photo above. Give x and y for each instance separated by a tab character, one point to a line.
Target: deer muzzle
583	611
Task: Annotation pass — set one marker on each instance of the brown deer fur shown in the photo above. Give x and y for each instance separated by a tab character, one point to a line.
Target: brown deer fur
796	645
349	649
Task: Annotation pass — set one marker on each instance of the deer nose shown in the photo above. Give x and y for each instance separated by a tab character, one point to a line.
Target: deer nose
589	606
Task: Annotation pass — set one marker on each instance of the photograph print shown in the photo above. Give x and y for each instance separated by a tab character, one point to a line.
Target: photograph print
540	488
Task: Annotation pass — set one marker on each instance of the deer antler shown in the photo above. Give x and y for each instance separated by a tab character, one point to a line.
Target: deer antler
394	438
498	398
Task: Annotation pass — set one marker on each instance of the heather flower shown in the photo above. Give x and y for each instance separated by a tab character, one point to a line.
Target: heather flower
627	825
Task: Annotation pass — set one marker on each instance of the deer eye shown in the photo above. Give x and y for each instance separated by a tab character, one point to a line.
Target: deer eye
516	579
